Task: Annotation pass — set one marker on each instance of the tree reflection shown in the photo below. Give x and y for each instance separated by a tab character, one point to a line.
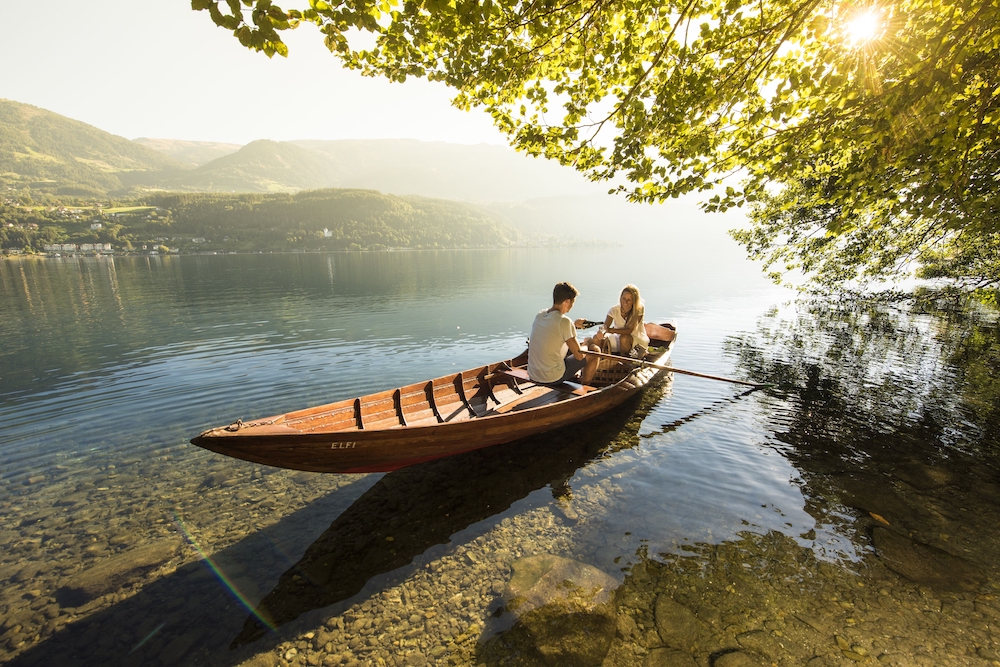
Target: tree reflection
894	416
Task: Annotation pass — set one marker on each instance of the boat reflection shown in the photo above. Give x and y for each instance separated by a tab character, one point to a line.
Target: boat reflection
413	509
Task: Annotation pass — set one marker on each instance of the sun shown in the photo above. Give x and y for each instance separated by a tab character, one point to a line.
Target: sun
862	27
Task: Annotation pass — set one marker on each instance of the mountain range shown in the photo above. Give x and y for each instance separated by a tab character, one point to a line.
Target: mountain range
51	153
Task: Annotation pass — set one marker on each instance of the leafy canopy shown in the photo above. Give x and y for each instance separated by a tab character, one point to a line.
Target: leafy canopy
857	154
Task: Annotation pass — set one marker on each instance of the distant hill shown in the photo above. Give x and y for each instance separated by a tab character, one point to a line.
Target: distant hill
480	173
194	153
59	155
311	220
260	166
352	219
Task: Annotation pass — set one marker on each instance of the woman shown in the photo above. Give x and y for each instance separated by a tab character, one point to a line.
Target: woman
624	329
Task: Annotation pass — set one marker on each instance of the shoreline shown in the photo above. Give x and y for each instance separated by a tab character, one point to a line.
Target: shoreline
210	253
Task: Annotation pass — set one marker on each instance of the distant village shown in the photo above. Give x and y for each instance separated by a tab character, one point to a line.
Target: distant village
96	213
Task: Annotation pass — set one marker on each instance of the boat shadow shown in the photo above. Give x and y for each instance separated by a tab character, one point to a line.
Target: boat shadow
195	616
414	509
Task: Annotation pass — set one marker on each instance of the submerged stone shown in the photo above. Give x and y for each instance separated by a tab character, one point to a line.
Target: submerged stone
924	564
872	493
116	572
564	614
677	625
543	579
739	659
668	657
566	634
924	477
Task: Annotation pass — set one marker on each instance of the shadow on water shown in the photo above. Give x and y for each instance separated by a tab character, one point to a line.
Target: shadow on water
413	509
187	618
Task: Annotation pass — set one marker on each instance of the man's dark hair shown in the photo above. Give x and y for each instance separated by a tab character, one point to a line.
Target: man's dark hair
563	291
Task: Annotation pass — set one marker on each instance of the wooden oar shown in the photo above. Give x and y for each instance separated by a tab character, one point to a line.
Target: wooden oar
675	370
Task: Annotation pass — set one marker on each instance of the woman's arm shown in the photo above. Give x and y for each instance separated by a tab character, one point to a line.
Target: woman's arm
607	327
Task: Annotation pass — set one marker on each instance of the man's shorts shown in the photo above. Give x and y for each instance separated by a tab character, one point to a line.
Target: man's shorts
573	366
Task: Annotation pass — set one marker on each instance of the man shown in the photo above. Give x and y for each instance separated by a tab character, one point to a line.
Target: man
554	355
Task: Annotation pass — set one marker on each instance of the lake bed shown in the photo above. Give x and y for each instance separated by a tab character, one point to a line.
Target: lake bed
843	517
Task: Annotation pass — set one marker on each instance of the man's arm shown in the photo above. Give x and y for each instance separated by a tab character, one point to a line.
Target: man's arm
574	347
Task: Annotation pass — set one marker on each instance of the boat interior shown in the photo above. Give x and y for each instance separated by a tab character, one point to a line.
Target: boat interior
495	389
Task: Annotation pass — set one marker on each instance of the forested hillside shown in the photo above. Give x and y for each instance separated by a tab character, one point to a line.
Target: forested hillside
260	166
47	153
46	157
193	153
312	220
352	219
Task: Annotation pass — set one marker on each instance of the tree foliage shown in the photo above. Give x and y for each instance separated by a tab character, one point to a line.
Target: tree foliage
856	157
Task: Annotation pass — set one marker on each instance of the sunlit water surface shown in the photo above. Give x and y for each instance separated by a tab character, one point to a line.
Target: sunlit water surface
109	366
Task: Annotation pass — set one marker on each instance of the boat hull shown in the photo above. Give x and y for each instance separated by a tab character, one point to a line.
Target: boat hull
359	450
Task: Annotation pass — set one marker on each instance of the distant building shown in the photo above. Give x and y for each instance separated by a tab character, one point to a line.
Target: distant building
96	225
200	239
327	233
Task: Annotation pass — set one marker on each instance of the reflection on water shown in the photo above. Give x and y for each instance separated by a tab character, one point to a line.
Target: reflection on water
892	419
845	516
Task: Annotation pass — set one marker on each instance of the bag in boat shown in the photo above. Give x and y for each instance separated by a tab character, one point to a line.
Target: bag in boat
659	332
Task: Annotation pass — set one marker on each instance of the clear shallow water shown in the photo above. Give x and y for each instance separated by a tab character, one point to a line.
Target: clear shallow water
109	367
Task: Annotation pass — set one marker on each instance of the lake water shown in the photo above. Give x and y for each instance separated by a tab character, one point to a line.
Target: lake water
846	515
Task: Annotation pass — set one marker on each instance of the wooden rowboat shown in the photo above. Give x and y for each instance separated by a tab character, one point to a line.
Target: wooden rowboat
449	415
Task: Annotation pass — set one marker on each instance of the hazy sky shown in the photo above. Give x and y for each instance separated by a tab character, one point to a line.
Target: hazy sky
145	68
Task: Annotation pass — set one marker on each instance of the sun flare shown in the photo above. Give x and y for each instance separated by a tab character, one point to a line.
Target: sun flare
863	27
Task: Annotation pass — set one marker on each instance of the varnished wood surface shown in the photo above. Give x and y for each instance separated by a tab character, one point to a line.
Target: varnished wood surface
445	416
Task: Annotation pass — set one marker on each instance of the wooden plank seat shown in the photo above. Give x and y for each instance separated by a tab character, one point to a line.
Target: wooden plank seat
569	387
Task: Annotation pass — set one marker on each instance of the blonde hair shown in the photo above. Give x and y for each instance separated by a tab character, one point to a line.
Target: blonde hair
637	313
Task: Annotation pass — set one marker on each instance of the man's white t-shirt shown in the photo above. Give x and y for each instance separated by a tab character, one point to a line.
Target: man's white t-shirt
547	348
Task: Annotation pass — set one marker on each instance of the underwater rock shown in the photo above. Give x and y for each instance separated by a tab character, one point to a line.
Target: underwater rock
177	648
873	493
564	614
566	634
924	564
676	624
924	477
668	657
544	579
116	572
738	659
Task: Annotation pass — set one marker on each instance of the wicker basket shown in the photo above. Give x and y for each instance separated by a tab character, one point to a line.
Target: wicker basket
610	371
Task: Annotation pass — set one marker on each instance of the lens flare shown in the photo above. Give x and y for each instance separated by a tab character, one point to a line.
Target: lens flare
220	575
